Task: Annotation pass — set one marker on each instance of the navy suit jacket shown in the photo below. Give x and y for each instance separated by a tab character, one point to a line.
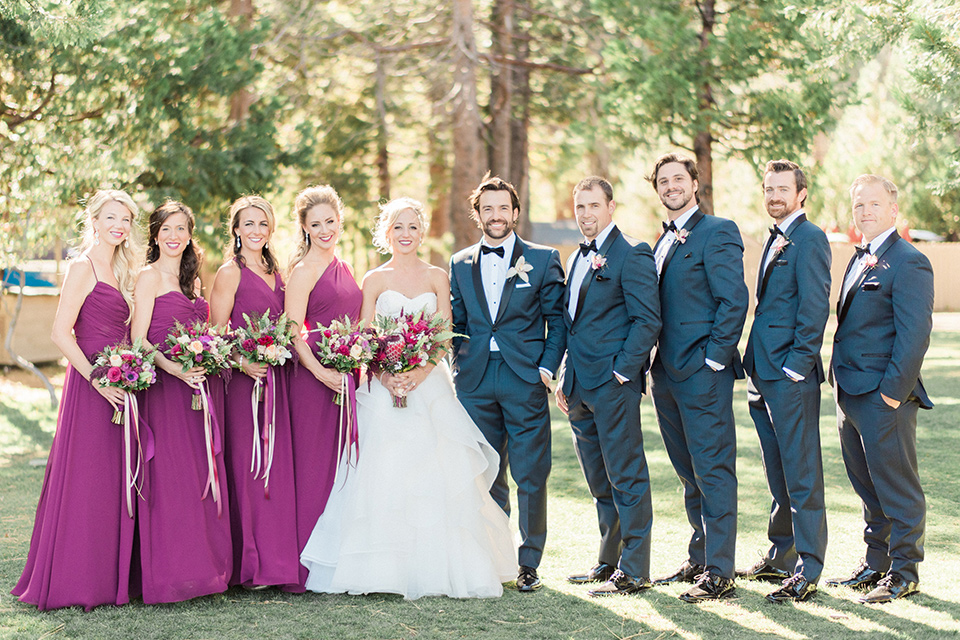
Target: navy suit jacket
883	325
617	317
703	298
793	304
529	325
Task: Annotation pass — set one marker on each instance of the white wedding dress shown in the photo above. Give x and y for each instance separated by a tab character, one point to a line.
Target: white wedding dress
414	517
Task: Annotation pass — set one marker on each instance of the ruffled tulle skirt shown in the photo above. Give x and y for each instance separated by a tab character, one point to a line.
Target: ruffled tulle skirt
414	516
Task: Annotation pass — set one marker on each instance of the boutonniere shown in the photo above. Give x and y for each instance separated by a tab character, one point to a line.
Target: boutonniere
520	269
869	261
682	235
598	262
780	244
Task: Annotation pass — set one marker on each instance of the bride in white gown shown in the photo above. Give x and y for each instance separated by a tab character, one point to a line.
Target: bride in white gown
414	516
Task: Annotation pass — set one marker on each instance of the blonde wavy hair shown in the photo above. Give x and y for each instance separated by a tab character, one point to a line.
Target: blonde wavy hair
389	213
306	200
128	257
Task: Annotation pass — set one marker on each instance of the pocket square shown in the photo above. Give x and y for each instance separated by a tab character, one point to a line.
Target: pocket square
871	286
522	285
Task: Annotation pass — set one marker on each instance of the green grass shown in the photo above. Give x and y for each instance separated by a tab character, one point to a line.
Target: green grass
559	610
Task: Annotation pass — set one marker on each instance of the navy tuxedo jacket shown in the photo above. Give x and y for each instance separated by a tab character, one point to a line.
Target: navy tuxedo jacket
529	326
884	323
703	298
793	304
617	317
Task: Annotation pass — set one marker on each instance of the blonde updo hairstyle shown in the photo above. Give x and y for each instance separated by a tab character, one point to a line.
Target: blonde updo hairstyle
127	256
305	201
236	208
389	213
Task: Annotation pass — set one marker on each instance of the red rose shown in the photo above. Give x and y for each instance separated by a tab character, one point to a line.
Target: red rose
265	340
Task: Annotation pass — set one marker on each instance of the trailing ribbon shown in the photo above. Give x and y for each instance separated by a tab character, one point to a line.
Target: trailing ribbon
262	459
210	431
348	437
133	478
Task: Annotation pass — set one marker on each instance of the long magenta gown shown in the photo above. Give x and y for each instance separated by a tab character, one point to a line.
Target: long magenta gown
265	550
314	416
185	546
81	550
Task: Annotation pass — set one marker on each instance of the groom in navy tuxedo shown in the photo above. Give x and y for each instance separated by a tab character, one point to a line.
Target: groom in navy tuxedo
884	318
703	301
783	363
612	315
506	297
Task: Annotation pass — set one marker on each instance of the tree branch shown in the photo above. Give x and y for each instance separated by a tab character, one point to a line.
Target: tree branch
13	122
552	66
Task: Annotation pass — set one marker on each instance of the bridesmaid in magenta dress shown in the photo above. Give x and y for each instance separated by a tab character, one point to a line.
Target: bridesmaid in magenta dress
185	545
321	288
263	514
81	551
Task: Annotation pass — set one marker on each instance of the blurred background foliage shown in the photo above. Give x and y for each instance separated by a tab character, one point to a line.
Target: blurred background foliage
203	101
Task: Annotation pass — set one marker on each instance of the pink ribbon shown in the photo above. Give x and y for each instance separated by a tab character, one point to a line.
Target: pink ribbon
211	430
260	465
348	436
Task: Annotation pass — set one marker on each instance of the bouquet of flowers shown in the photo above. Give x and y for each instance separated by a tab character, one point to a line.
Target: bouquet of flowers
264	341
125	366
346	347
128	367
199	345
410	341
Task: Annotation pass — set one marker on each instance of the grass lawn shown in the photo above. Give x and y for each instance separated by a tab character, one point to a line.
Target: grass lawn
559	610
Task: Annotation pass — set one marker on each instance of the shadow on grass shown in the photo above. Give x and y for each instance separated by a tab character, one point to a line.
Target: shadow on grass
29	427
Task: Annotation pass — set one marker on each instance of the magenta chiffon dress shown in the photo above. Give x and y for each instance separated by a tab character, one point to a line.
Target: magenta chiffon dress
265	550
185	545
81	550
314	416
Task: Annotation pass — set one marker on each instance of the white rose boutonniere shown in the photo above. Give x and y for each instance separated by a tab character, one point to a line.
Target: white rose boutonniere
520	270
780	244
598	262
682	235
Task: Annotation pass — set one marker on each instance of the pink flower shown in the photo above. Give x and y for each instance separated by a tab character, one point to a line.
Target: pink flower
598	262
870	261
682	235
113	374
249	345
265	340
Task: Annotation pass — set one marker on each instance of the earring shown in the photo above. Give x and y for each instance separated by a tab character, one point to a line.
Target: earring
238	242
189	241
266	246
126	243
96	236
306	238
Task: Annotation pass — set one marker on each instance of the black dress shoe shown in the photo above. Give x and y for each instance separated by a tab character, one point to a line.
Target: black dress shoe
709	587
687	572
621	584
796	588
763	570
528	580
861	578
600	573
891	587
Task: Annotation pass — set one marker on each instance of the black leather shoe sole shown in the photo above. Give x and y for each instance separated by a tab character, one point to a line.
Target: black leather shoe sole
604	574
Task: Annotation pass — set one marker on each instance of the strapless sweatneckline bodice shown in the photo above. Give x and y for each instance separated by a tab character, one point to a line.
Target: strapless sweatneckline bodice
392	303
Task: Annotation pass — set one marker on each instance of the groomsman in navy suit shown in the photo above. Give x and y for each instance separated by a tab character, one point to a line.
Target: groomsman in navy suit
612	315
703	303
785	370
507	300
884	318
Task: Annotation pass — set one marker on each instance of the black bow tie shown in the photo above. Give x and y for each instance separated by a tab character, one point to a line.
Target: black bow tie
587	247
669	226
484	249
775	231
862	250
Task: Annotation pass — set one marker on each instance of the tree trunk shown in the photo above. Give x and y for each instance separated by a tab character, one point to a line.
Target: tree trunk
467	143
703	140
519	140
439	174
383	158
242	99
501	88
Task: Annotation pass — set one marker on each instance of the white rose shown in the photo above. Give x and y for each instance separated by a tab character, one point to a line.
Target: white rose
115	360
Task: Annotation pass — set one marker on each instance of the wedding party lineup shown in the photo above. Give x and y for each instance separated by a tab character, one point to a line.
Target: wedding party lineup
291	429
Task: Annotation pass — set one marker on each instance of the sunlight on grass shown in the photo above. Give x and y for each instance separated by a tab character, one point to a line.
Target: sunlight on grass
914	612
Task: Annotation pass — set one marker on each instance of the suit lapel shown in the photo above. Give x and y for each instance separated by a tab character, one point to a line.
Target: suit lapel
769	267
855	287
841	307
691	223
478	284
589	277
511	283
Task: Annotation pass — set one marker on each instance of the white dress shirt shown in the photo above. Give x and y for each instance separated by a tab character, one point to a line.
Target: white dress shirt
670	237
493	274
861	262
770	255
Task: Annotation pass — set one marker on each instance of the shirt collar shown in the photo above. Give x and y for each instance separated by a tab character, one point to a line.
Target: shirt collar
507	244
784	225
602	236
686	215
880	239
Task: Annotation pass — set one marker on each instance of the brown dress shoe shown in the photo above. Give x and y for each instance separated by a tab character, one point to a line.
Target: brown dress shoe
763	570
600	573
796	588
709	587
621	584
891	587
862	577
687	572
528	580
